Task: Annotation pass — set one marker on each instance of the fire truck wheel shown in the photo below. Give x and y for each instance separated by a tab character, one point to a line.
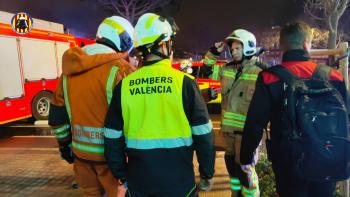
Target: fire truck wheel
41	105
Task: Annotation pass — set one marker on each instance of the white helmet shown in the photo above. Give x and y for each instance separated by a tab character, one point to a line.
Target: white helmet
117	33
151	29
247	39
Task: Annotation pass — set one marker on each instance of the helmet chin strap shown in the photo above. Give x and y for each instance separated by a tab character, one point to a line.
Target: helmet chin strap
107	42
154	50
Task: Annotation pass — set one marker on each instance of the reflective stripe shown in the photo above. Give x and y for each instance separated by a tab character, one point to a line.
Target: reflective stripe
114	25
249	77
150	21
113	134
233	123
248	192
215	72
202	129
235	187
193	188
230	74
88	134
110	82
97	141
89	129
87	148
62	135
209	61
150	39
158	143
61	129
235	181
235	184
66	100
244	76
61	132
235	116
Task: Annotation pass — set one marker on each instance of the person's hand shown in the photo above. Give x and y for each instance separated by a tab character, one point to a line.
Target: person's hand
66	154
219	46
250	176
212	94
122	189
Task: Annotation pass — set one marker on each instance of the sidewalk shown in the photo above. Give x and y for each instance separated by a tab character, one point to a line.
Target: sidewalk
39	172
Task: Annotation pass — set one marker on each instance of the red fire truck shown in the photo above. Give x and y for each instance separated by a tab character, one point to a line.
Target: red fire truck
30	65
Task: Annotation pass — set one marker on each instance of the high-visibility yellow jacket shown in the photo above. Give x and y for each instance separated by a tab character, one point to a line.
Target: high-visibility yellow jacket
158	118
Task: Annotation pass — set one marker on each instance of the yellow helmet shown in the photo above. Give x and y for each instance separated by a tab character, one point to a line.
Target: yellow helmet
151	29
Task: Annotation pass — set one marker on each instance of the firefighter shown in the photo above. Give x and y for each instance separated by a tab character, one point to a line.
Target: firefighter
157	118
237	87
81	102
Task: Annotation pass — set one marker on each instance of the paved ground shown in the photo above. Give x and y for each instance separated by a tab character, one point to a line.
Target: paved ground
30	165
38	171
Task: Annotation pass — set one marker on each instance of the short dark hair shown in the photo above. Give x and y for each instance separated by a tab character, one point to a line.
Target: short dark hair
293	35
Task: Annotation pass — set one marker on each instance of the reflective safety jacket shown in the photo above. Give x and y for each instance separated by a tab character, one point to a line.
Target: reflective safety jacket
81	100
237	88
158	117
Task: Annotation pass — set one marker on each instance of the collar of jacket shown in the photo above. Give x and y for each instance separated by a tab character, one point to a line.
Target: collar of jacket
295	55
165	62
243	64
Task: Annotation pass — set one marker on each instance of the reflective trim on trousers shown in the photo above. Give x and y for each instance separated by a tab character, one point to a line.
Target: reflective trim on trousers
235	184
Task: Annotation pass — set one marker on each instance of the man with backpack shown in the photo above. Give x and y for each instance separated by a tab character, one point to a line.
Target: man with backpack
305	105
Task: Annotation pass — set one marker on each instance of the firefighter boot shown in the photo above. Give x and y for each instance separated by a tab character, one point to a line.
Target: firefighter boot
206	184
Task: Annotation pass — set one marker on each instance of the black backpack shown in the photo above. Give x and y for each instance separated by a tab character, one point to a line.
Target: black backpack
315	139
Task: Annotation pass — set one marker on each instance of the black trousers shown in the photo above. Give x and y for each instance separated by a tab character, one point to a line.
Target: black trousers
288	185
190	193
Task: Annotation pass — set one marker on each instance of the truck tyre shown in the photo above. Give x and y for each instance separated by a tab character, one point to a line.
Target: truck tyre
41	105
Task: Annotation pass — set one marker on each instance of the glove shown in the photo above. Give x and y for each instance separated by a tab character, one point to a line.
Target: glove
212	94
217	48
250	179
66	154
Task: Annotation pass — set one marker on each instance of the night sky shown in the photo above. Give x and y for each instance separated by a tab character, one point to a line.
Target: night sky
201	22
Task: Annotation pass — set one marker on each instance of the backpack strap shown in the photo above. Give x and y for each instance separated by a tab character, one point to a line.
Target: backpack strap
284	74
322	72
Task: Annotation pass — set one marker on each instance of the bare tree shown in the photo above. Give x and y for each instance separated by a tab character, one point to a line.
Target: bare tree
320	38
131	9
328	11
